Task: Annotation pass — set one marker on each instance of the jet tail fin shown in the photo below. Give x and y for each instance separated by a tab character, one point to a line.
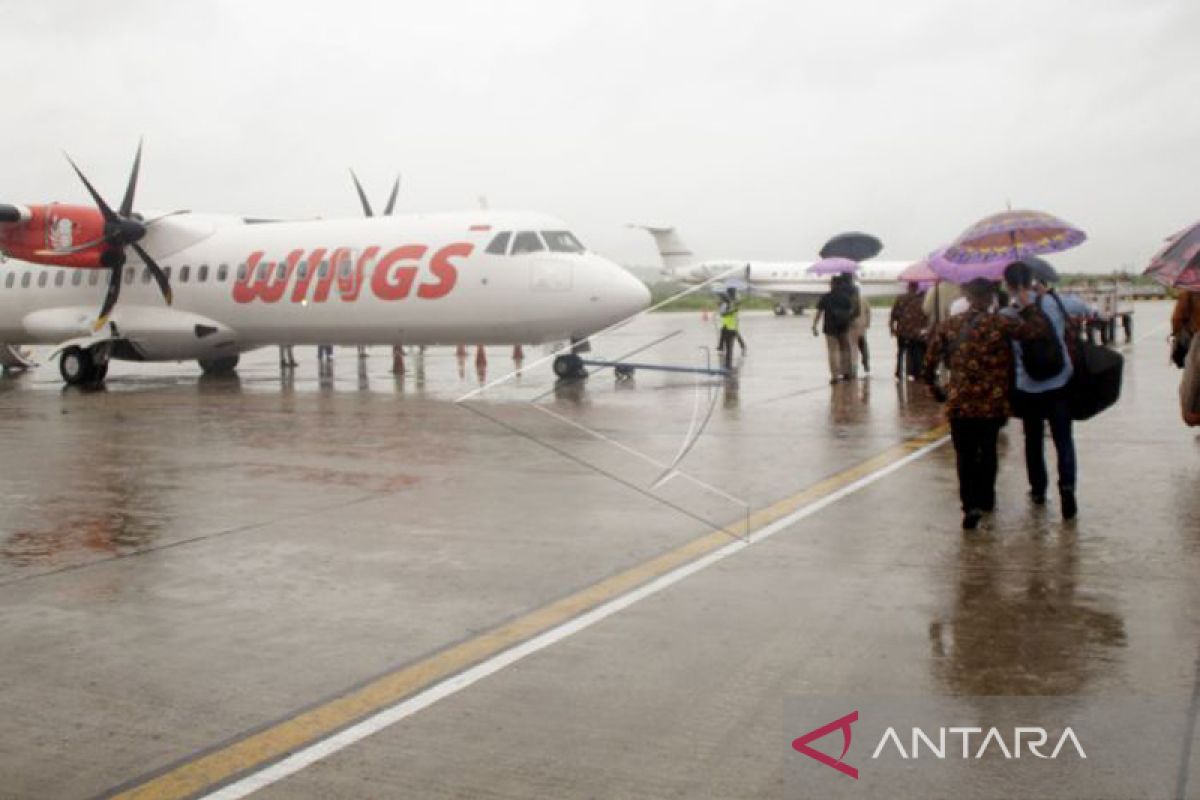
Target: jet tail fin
674	252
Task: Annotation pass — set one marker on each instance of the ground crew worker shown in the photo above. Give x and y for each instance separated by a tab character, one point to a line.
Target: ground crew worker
728	314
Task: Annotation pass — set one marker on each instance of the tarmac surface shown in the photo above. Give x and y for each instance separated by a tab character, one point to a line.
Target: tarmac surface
200	577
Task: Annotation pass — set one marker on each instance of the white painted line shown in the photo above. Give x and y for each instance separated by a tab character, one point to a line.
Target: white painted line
390	716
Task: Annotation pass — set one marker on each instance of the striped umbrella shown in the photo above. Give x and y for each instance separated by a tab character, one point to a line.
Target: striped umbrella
1178	262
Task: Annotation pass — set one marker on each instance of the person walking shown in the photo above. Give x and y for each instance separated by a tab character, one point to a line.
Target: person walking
835	314
287	358
977	346
858	328
907	323
1043	398
1185	333
728	315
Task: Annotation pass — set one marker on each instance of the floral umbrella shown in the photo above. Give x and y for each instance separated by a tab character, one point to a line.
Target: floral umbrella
1178	263
1009	236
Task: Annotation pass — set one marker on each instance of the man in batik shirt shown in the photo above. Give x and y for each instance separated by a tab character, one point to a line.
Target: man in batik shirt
908	323
977	348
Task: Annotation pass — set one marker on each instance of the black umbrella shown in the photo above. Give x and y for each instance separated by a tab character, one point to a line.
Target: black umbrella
854	246
1041	269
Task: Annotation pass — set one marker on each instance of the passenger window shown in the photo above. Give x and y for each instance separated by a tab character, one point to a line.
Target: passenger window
129	273
241	273
42	279
562	242
222	273
25	281
184	272
302	270
281	271
93	277
12	276
527	242
59	278
499	244
345	268
167	272
262	270
145	275
323	270
76	277
202	273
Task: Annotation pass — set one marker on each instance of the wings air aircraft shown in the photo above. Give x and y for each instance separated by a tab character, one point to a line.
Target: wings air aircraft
180	286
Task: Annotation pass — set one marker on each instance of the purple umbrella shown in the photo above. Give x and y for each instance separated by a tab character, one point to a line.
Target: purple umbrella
918	272
951	271
1178	263
833	266
1013	234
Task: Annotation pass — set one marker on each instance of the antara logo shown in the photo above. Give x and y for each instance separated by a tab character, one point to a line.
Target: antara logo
976	742
392	277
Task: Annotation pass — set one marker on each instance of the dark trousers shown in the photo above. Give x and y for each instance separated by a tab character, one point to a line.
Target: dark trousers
975	446
728	337
1035	411
910	357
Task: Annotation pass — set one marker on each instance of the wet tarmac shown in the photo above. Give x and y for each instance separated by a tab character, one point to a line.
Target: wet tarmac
186	561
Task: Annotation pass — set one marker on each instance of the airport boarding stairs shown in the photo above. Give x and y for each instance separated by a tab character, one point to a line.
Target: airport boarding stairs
13	358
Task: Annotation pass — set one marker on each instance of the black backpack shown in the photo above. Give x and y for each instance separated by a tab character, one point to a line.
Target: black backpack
840	313
1042	357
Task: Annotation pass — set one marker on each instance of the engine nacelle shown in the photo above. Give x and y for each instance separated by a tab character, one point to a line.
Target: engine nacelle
42	234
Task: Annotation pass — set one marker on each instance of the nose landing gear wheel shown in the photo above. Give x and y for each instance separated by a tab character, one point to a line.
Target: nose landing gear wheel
569	366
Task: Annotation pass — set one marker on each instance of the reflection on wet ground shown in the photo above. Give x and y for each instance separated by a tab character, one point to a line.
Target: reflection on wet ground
1021	624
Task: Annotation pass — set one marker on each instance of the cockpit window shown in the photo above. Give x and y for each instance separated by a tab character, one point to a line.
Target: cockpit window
527	242
562	242
499	245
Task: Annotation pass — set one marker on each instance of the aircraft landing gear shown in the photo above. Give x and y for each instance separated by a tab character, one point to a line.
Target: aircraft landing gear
218	366
80	367
780	310
569	367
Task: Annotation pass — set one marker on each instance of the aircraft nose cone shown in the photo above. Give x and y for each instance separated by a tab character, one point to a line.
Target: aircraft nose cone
634	295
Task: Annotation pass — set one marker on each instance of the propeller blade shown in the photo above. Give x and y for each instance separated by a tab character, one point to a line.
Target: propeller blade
109	214
76	249
117	259
164	216
131	189
362	196
160	277
391	203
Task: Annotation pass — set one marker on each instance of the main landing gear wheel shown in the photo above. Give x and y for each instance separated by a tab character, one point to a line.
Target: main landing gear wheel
219	366
569	367
78	368
780	310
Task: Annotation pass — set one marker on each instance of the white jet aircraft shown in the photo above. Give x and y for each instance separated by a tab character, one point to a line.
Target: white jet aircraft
789	282
233	285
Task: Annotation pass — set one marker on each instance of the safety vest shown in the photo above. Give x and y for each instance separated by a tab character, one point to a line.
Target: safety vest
729	315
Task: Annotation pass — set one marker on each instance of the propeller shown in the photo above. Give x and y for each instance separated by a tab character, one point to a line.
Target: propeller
362	197
123	228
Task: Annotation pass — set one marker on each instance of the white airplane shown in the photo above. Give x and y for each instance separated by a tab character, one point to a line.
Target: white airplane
231	285
789	282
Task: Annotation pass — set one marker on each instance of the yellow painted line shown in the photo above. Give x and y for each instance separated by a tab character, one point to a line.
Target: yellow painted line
219	766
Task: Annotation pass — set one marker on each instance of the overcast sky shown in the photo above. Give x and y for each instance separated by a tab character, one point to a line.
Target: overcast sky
758	128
